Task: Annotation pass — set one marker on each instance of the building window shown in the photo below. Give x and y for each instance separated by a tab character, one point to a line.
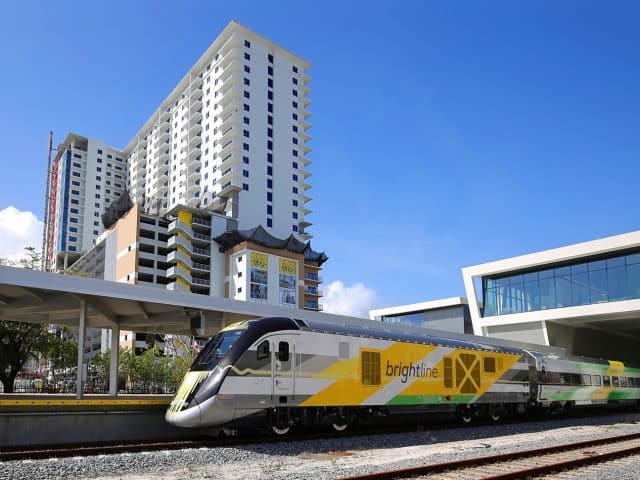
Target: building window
295	202
247	44
245	146
245	187
247	56
287	282
269	196
269	183
259	276
295	80
294	128
239	288
269	132
245	173
246	107
76	174
295	69
270	70
294	215
295	228
247	69
247	82
99	151
269	170
294	177
245	120
270	58
269	120
75	201
294	104
269	95
72	249
73	220
269	222
246	94
269	210
270	82
270	157
245	133
270	107
295	165
245	160
295	189
269	145
294	153
73	229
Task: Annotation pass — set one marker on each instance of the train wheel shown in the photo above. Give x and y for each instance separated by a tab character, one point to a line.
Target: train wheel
496	414
466	414
280	430
340	426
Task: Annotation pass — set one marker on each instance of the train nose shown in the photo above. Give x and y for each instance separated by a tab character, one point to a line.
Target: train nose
190	417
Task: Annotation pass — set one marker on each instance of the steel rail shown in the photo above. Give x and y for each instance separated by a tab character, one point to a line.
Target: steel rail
461	465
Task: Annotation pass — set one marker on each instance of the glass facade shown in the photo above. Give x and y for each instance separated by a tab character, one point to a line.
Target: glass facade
581	283
454	319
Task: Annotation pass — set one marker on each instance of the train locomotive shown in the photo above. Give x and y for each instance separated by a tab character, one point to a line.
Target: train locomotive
281	372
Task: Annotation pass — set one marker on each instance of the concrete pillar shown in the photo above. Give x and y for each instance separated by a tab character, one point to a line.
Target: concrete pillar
115	360
82	326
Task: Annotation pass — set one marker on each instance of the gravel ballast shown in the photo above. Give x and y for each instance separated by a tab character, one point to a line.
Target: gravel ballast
337	457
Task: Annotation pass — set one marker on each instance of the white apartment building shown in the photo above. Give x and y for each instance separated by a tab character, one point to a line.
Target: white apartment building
86	177
230	138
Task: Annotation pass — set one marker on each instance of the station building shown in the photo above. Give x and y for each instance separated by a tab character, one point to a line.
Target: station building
584	298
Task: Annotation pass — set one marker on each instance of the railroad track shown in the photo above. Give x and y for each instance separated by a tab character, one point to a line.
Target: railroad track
521	465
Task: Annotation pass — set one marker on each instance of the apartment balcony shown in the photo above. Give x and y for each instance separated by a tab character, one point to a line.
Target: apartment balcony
306	78
177	287
201	238
303	224
201	267
179	226
198	252
229	147
193	172
164	135
232	43
306	149
305	173
196	82
228	108
234	55
194	154
195	127
306	161
229	174
196	116
305	113
227	188
306	90
200	281
192	189
195	139
176	240
201	221
305	186
195	104
313	291
234	78
178	271
313	306
176	255
305	211
311	277
304	124
306	101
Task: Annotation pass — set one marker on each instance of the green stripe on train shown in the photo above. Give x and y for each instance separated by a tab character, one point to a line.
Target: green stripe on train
430	399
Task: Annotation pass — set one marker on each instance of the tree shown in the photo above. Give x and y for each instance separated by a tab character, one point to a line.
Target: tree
62	353
19	341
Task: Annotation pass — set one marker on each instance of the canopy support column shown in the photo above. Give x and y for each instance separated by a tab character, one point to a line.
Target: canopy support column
115	360
82	326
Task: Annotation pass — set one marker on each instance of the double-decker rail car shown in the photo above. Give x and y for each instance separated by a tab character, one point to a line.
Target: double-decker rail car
281	372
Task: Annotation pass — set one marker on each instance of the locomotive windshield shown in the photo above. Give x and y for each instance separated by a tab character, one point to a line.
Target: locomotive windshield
217	348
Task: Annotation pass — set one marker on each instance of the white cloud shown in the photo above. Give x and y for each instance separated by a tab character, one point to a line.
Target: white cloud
18	229
355	301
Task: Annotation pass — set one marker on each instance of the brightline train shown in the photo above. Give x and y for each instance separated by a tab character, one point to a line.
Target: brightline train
281	372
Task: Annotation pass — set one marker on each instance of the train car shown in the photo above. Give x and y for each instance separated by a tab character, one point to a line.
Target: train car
282	372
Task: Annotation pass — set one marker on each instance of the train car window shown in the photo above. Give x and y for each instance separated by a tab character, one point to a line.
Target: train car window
615	381
597	381
606	381
586	379
637	382
576	379
489	364
343	350
631	382
370	368
623	381
283	351
263	350
565	378
448	373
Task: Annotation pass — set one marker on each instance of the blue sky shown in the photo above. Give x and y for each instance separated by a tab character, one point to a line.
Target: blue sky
445	134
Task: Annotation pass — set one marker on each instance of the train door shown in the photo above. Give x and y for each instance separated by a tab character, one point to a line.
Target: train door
283	368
